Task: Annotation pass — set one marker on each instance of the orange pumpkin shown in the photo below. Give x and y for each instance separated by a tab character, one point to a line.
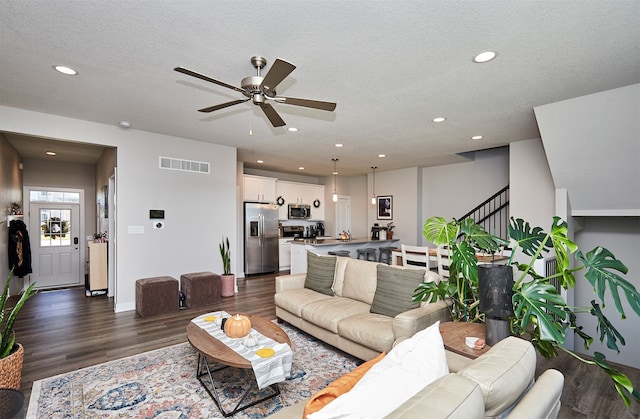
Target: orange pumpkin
237	326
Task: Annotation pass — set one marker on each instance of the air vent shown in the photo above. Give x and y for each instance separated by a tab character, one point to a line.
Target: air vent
184	165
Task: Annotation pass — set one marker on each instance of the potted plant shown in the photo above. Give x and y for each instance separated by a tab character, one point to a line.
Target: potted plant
11	352
227	278
540	314
389	229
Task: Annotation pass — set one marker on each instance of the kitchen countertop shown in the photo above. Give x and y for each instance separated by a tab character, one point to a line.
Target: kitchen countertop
333	242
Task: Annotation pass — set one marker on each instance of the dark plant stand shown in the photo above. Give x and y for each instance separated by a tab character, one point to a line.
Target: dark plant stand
495	286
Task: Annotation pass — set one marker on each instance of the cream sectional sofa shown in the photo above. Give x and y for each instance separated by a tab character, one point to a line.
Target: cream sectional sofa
344	320
498	384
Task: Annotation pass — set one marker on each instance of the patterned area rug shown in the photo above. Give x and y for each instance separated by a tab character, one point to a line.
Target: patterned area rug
163	384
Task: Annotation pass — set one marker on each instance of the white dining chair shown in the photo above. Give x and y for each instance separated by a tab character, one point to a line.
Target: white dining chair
415	256
444	260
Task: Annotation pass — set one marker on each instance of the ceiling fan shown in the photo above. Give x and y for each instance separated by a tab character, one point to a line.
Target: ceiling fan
260	89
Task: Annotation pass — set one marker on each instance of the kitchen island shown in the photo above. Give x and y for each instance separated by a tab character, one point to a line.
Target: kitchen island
322	246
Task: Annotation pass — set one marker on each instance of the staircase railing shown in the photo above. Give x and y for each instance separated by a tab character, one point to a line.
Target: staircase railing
493	214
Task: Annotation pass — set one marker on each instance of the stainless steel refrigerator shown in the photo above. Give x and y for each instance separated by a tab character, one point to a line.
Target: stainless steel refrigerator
260	238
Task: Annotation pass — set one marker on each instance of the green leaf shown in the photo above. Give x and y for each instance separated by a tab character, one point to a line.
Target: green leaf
479	238
606	328
598	262
464	262
535	305
588	340
440	232
562	247
530	240
623	384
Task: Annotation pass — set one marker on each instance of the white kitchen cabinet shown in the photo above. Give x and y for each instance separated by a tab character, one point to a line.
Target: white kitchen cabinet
300	193
285	253
316	192
283	191
258	188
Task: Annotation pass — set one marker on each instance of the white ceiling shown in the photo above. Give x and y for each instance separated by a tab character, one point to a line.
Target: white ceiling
391	66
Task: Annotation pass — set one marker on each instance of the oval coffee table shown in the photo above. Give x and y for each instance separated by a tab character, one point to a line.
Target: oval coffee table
211	350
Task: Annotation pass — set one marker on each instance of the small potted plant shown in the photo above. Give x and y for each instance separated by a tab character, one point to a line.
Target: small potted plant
227	278
389	229
11	352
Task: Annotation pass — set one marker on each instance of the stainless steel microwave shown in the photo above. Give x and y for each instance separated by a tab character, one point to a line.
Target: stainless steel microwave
299	211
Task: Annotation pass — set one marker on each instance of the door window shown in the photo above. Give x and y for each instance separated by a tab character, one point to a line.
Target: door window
55	225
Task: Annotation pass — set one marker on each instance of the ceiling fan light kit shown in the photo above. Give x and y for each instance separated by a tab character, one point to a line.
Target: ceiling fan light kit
260	89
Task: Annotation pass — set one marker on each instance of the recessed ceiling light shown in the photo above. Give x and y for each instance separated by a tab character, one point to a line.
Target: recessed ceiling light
65	70
301	168
51	153
339	145
439	119
260	161
477	137
382	155
124	124
292	129
484	56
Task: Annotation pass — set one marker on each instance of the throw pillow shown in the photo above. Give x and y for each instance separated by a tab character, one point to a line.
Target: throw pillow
395	289
409	367
320	273
339	386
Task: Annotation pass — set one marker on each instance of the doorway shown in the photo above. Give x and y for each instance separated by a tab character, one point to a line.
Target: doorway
343	215
54	225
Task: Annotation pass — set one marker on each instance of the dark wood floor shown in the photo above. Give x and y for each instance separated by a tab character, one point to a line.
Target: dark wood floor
64	330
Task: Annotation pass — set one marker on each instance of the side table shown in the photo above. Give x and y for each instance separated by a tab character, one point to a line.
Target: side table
454	334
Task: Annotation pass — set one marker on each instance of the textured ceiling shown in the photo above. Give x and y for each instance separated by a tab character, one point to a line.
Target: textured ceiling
391	66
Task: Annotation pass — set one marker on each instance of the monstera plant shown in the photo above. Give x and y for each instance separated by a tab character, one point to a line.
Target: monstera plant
541	314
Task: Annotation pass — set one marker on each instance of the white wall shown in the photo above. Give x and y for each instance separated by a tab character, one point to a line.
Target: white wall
452	190
403	186
200	209
592	143
620	235
531	186
10	191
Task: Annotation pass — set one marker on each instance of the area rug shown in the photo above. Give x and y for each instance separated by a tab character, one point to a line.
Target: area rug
163	384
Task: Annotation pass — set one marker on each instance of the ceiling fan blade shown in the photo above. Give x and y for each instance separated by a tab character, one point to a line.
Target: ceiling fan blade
273	116
222	105
206	78
278	71
307	103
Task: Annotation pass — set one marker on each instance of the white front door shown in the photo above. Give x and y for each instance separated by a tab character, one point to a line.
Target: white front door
55	237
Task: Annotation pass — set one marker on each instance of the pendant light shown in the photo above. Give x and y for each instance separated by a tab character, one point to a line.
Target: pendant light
373	194
335	172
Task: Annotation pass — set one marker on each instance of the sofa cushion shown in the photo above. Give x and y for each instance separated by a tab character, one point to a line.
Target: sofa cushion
451	397
374	331
341	267
503	373
410	366
338	387
293	300
360	278
321	271
328	312
395	289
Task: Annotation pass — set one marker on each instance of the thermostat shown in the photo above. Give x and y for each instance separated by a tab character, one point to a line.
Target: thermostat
156	214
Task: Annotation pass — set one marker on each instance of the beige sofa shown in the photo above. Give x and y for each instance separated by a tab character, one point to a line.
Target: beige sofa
498	384
344	320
